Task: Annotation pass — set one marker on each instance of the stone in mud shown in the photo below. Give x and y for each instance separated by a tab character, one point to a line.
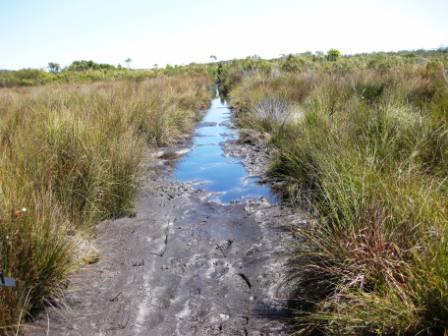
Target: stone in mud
138	262
253	137
227	123
224	246
207	124
168	156
182	151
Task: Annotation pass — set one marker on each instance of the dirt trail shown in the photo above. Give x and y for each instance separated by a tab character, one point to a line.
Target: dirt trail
183	265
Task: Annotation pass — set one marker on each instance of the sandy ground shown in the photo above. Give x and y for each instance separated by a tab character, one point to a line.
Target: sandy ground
183	265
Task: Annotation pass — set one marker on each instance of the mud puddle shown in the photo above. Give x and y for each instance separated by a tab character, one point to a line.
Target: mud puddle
212	168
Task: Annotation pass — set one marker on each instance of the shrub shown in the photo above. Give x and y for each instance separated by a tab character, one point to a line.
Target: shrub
333	54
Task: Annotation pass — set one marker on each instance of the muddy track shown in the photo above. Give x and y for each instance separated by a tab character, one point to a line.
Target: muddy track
184	265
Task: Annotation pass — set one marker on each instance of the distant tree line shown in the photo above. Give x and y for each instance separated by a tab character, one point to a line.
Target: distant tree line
88	71
83	70
89	65
83	65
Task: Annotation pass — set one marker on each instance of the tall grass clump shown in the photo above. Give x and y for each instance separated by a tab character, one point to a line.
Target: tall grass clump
69	157
368	148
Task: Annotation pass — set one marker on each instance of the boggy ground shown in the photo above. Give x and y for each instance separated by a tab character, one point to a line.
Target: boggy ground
183	265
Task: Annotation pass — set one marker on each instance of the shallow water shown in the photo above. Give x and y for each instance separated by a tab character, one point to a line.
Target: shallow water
208	166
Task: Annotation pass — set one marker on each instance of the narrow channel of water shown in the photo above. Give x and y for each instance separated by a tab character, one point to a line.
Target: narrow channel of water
208	166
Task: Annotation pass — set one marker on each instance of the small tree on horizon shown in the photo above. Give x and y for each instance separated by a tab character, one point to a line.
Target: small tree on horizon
333	54
54	67
128	62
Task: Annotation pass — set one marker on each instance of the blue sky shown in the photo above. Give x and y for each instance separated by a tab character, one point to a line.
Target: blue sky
33	33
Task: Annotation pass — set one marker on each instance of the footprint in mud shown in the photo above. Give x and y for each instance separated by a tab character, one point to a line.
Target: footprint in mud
174	266
224	246
217	269
118	315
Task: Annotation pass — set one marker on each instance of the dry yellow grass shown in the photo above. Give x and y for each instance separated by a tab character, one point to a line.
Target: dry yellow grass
69	157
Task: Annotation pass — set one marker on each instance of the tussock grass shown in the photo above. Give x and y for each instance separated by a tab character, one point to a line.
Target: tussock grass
69	157
369	150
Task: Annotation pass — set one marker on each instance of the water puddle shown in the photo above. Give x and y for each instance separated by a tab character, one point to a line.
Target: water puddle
208	166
